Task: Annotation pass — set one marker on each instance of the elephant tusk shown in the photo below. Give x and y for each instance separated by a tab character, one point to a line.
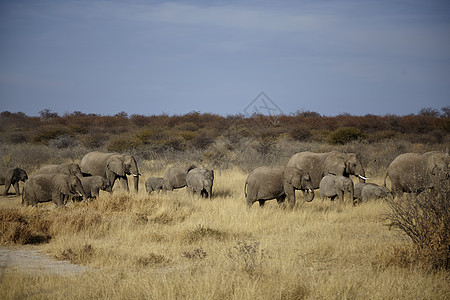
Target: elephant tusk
135	175
362	177
310	190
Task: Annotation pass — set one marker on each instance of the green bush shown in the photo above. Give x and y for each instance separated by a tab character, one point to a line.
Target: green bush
344	135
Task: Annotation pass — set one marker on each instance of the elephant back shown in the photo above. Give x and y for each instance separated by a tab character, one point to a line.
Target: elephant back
94	163
310	162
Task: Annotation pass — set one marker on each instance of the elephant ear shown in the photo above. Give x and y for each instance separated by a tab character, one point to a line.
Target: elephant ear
115	165
292	176
335	164
61	184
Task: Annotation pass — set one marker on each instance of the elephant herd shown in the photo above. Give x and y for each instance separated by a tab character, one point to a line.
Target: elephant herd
330	172
305	171
98	171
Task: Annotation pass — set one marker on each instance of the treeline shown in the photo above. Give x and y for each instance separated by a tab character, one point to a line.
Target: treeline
199	130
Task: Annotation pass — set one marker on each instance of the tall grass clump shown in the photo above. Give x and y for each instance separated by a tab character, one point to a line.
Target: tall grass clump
425	219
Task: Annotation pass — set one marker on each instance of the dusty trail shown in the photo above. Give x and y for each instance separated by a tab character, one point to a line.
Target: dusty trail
35	262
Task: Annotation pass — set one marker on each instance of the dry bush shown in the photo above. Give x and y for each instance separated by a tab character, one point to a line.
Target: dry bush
24	227
425	219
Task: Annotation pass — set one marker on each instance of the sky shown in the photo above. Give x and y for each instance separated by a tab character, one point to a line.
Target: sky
224	57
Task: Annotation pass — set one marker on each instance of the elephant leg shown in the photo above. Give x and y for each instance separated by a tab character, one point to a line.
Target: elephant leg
124	182
16	188
58	198
7	185
280	200
340	195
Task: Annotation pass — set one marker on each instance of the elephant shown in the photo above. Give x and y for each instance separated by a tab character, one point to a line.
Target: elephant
366	191
332	186
12	176
266	183
112	166
200	181
93	184
415	173
56	187
175	177
69	169
154	184
320	164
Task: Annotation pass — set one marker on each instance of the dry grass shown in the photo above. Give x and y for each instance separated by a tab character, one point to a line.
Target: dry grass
174	246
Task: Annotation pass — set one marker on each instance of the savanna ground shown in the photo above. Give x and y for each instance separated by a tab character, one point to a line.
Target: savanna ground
175	246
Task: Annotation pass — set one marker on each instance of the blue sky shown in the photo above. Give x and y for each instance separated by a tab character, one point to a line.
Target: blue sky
174	57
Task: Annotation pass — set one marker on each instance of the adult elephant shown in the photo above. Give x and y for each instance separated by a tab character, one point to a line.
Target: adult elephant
175	177
55	187
414	173
68	168
112	166
320	164
12	176
266	183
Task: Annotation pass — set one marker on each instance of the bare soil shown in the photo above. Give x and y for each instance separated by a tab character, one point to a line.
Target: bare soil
31	260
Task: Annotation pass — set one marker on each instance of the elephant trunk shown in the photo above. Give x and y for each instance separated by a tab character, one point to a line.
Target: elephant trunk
82	193
308	195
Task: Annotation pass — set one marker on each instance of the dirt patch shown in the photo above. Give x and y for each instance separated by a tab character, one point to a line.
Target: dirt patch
33	261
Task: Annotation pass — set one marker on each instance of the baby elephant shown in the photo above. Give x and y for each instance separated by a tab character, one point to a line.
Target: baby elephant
266	183
12	177
200	181
93	184
332	186
366	191
154	184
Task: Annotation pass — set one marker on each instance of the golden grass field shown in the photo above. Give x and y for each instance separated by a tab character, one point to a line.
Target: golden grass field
174	246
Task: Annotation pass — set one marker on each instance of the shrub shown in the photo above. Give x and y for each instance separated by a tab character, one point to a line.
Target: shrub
123	143
300	133
63	141
426	220
344	135
202	140
47	134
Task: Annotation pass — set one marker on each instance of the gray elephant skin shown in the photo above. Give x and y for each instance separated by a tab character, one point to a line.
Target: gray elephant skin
112	166
367	191
154	184
57	187
175	177
415	173
93	184
68	168
266	183
331	186
200	181
320	164
12	176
